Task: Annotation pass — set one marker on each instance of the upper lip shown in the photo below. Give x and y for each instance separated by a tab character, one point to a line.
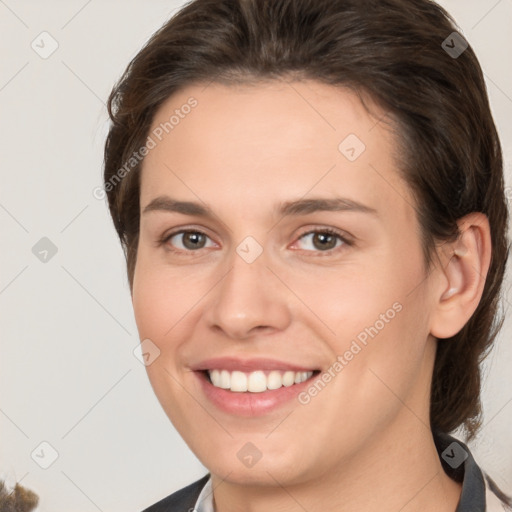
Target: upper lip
248	365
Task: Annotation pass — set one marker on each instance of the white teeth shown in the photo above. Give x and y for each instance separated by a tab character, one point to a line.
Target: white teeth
215	377
274	380
225	379
238	381
257	381
288	379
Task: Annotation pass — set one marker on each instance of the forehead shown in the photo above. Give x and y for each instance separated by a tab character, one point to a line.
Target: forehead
262	143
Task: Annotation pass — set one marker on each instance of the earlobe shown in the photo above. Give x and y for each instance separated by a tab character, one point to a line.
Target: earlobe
464	274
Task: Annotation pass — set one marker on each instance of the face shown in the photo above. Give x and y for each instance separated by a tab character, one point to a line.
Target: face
279	246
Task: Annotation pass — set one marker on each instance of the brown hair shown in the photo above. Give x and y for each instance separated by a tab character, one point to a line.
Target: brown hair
391	50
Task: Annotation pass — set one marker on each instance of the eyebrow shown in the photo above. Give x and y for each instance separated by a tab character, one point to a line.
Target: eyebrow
298	207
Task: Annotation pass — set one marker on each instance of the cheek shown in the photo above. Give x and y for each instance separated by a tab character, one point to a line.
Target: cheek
162	296
380	304
148	303
168	303
352	298
382	342
160	304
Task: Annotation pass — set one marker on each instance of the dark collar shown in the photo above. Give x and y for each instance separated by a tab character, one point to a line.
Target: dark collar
459	464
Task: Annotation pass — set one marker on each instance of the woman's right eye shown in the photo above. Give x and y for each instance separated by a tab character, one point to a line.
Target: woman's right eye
186	240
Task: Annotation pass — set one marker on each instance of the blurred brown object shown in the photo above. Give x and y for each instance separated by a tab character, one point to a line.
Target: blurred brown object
19	499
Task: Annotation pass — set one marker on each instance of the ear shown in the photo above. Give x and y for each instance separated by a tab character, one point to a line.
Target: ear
465	264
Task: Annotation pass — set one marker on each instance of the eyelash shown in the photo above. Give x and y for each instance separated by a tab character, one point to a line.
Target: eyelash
346	242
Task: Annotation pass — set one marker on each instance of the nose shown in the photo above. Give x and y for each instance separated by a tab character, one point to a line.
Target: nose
249	300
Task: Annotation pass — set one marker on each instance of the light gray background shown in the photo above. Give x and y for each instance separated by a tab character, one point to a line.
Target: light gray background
68	373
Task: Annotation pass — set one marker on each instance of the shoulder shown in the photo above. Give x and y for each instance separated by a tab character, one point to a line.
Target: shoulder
181	500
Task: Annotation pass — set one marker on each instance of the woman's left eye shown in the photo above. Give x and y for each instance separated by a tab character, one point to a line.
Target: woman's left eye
324	240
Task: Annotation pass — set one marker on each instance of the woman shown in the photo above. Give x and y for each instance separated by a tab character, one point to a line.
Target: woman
310	197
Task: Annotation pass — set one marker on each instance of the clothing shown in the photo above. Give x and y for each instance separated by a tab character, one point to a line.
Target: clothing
479	492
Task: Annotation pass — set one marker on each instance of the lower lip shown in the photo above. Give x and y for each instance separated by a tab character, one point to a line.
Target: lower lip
250	404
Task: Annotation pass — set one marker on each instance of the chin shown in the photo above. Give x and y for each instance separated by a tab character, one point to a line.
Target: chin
267	471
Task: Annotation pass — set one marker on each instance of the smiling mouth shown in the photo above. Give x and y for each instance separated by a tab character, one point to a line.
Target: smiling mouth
257	381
